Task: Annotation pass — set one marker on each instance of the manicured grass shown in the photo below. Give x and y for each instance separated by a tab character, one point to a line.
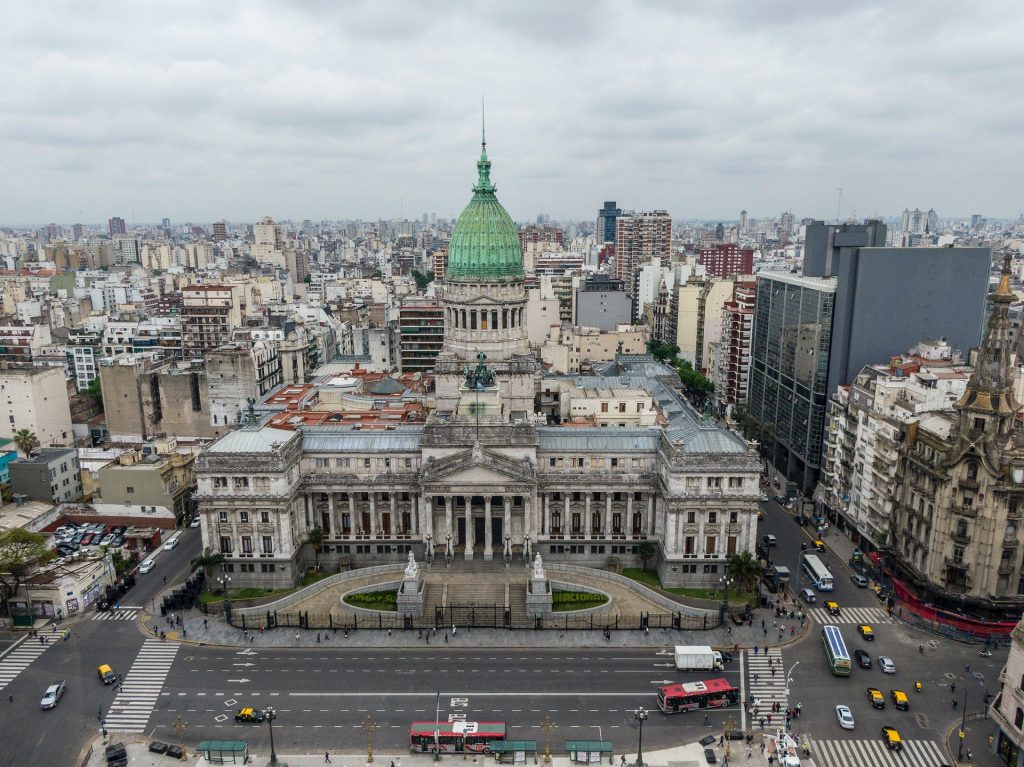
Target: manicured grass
310	578
650	578
217	595
384	601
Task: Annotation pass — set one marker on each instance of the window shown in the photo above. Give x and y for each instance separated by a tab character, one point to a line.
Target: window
220	483
733	517
265	517
712	517
615	463
246	544
714	482
710	544
972	471
243	516
323	463
979	424
961	529
268	544
130	490
225	545
222	516
730	545
366	463
736	482
604	407
241	483
691	517
1018	719
711	568
622	407
958	554
261	483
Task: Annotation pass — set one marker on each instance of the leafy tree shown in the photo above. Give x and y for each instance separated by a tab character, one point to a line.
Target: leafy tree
743	569
422	280
20	552
645	550
95	390
209	558
663	352
25	439
315	537
697	388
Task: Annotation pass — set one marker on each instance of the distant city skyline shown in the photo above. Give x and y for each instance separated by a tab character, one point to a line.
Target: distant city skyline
363	112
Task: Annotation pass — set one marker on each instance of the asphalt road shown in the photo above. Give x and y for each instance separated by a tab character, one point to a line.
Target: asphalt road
943	664
323	697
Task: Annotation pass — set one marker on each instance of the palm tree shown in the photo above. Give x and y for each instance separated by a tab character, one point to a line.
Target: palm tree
209	558
316	539
743	569
645	550
25	440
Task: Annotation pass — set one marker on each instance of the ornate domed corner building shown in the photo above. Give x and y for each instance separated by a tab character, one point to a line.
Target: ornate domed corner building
485	305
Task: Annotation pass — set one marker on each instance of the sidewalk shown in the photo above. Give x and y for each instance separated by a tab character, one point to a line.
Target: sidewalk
685	755
976	741
213	630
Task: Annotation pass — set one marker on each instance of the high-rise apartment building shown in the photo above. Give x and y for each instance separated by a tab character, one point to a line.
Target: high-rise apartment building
638	239
35	399
732	362
220	231
601	302
116	226
421	333
606	222
743	221
727	259
208	315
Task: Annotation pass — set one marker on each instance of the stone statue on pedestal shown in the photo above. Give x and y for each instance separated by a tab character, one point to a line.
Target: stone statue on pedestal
412	570
538	568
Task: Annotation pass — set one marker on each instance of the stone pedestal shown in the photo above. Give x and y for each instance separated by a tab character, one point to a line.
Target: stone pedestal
538	598
410	597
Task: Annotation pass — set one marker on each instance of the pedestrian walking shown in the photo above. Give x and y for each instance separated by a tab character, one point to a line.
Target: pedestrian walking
755	646
762	623
756	677
622	760
773	672
296	637
952	687
769	720
970	755
954	703
721	740
765	632
389	632
10	698
760	722
318	637
327	757
705	720
446	637
453	629
762	746
792	630
252	638
206	624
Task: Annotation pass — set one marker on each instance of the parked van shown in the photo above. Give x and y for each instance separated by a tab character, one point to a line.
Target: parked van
808	596
769	539
106	674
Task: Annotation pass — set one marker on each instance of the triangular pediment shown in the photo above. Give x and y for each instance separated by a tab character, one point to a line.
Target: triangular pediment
478	467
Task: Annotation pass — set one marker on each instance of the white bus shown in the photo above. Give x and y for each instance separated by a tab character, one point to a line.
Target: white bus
817	572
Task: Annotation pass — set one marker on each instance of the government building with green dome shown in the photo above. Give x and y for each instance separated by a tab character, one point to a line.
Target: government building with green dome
500	471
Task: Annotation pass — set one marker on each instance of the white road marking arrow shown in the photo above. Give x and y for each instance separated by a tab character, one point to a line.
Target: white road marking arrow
239	680
664	665
243	664
661	681
247	651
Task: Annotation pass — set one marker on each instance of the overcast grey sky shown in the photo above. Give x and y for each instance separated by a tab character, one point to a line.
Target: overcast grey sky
204	110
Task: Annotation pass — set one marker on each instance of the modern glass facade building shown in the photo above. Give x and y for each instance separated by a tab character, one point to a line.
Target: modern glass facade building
789	370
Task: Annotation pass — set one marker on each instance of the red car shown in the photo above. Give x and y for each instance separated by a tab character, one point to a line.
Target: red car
87	540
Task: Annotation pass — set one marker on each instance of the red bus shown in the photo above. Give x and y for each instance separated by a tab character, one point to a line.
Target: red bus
689	696
425	737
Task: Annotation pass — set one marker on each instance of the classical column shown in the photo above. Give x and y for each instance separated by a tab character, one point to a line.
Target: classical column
353	522
448	501
545	514
488	542
527	518
629	516
566	518
415	509
427	526
587	522
395	526
374	522
652	520
469	526
307	502
332	523
506	524
608	512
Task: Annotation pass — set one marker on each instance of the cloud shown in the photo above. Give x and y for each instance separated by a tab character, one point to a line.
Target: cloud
199	111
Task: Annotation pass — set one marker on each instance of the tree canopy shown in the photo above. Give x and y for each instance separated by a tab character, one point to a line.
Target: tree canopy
21	551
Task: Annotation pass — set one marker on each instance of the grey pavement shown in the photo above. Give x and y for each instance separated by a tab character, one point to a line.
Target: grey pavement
214	630
683	755
979	741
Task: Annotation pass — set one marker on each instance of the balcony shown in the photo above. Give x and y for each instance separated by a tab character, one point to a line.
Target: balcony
964	538
1006	568
964	511
968	484
959	564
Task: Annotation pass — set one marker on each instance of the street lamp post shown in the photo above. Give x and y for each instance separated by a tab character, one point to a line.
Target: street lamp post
547	726
370	727
448	549
641	716
729	727
430	549
963	725
180	725
225	583
526	549
271	716
726	583
508	549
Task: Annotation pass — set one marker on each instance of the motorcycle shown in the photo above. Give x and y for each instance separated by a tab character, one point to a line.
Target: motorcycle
986	653
917	685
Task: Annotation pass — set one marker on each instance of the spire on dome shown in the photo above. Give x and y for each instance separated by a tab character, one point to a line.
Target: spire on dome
483	165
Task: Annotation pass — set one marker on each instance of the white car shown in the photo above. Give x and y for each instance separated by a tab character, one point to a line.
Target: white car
52	695
146	566
171	544
885	663
107	539
194	522
845	717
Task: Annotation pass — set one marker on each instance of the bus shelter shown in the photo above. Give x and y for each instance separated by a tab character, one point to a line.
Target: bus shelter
588	751
224	751
513	751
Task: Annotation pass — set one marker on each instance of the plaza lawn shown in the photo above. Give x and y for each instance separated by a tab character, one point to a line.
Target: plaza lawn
568	601
384	601
650	578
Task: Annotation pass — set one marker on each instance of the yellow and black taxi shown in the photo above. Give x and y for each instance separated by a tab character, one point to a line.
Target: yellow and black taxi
876	698
832	607
866	631
249	714
819	545
899	700
892	738
106	674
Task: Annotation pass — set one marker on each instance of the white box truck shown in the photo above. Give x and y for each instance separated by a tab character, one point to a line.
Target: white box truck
697	658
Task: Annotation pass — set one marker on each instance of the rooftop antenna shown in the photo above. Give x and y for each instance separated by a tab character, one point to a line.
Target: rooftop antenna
483	123
839	202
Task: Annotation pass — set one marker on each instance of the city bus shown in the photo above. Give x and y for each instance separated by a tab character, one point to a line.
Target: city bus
835	650
690	696
476	737
817	572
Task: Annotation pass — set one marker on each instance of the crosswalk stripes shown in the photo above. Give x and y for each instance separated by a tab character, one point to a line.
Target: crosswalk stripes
18	659
764	687
867	615
856	753
122	614
138	695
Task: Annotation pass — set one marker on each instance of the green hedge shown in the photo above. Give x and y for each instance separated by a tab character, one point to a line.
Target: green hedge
374	600
571	597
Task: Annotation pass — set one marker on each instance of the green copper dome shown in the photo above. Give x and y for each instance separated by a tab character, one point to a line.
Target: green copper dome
485	244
